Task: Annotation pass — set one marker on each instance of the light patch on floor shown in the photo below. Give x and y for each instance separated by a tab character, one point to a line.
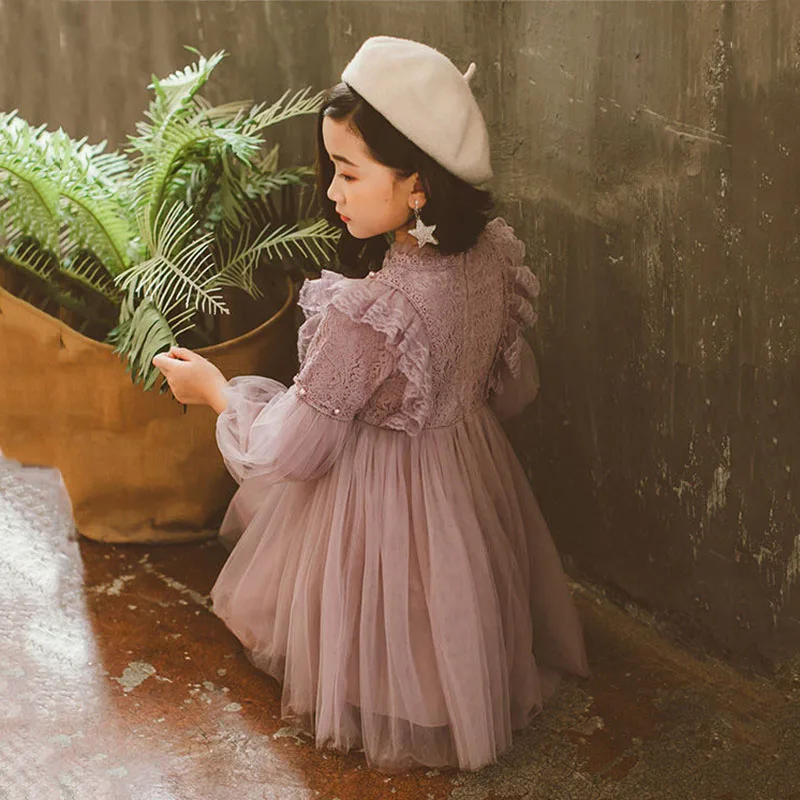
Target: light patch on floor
134	674
201	599
114	587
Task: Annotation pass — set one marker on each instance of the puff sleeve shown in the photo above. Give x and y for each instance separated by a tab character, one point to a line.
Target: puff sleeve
296	433
514	382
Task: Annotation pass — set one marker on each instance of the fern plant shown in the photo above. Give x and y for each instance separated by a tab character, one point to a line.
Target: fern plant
63	217
147	240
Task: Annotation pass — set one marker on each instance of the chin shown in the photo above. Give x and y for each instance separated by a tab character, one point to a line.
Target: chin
356	235
361	235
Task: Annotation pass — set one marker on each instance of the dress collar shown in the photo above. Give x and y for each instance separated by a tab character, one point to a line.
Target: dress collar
408	254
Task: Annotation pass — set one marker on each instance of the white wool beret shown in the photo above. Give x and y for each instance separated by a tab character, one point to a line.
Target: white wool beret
424	95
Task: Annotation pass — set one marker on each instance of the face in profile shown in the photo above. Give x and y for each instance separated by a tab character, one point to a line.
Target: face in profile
368	195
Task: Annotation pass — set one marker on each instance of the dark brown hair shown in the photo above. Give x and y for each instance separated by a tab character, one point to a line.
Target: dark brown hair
457	208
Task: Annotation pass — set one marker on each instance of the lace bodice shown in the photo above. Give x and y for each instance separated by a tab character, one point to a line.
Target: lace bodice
424	340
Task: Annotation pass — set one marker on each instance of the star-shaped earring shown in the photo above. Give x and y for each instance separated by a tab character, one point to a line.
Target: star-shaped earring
422	232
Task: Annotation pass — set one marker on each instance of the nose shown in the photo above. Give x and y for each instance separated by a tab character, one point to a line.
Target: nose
331	194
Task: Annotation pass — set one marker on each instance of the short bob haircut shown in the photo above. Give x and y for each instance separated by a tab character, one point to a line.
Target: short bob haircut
457	208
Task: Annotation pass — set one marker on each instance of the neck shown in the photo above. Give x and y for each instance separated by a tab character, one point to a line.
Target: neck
401	234
410	245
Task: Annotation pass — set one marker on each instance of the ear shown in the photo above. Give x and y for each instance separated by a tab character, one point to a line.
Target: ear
417	196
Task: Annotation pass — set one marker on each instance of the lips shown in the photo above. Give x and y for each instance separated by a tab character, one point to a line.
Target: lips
344	218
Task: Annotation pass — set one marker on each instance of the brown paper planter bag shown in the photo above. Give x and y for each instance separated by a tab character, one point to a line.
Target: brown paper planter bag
136	467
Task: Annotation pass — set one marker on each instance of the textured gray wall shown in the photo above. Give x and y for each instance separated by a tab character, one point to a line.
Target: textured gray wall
647	153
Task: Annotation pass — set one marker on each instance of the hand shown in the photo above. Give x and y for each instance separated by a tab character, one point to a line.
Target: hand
193	379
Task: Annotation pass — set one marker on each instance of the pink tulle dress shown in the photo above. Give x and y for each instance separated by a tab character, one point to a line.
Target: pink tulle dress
389	564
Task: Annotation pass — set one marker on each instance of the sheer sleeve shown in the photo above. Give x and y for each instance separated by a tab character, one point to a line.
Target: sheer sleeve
515	381
297	433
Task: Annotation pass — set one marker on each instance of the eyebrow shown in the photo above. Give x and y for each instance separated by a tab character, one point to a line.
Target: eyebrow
345	160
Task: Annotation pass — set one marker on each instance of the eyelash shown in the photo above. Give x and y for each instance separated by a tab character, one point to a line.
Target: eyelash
347	178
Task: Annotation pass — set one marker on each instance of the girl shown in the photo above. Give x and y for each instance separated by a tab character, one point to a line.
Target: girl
389	563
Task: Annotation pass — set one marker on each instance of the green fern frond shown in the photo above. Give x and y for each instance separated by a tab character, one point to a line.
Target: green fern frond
109	169
180	268
230	198
142	332
242	145
30	193
28	255
261	117
262	184
85	270
98	226
30	202
33	262
139	338
241	192
175	99
140	181
181	86
93	210
225	113
237	261
46	168
179	142
267	161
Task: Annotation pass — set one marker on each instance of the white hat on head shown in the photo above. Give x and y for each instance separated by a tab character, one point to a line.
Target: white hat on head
424	95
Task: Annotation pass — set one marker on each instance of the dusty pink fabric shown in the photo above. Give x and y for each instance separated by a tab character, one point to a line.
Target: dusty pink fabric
389	563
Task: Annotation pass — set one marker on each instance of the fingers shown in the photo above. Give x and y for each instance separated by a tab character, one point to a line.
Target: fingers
164	363
174	353
182	353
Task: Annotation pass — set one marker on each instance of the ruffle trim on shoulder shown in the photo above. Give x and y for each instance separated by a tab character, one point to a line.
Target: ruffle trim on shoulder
521	290
509	245
313	295
388	311
312	298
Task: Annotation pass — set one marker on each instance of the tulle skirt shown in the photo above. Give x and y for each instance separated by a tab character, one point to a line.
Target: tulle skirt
410	600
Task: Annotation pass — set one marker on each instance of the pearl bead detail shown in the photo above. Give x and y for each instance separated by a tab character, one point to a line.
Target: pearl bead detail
337	410
302	391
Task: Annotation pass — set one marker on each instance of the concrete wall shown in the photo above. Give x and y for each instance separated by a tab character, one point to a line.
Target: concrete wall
647	152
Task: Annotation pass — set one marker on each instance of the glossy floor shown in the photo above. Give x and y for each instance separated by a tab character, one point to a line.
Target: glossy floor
118	682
